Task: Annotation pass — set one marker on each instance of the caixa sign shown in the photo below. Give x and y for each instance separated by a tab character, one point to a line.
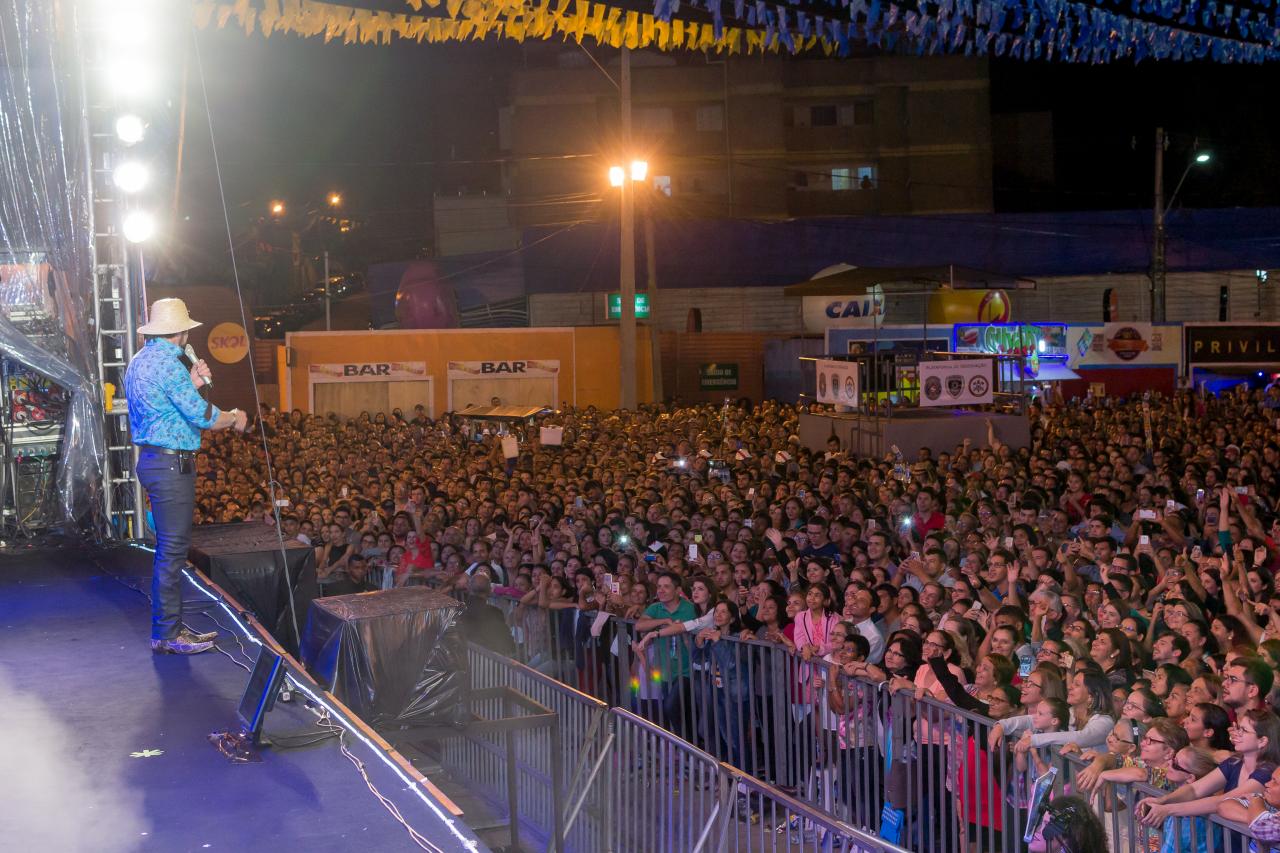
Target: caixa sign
825	312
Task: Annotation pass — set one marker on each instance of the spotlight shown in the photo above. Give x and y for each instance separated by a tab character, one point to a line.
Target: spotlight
130	129
277	208
639	168
131	176
335	199
127	25
139	226
129	78
616	176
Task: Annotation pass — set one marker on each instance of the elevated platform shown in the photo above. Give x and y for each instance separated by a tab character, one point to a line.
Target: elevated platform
911	429
105	744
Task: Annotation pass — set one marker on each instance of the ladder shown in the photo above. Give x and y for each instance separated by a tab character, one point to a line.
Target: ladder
113	316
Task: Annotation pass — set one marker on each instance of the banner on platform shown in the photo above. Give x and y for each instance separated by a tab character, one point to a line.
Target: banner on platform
963	382
837	382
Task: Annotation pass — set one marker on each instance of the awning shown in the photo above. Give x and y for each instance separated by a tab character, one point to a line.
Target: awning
500	413
1053	371
835	281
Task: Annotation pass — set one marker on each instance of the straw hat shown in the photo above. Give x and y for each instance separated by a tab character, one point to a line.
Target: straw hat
168	317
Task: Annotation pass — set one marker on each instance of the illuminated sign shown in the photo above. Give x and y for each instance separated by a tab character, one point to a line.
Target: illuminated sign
613	310
1023	339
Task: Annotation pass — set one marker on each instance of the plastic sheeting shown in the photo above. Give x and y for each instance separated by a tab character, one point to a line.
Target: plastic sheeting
395	658
46	264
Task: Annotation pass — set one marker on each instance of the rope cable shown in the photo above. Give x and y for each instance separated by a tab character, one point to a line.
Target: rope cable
272	485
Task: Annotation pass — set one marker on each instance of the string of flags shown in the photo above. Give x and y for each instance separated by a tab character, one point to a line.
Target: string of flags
1047	30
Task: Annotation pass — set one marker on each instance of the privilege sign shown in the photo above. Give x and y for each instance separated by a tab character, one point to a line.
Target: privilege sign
963	382
837	382
1232	344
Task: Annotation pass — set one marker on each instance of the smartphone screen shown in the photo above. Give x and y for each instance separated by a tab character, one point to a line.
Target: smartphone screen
1024	668
693	552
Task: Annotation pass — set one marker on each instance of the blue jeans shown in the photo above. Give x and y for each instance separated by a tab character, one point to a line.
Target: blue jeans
173	503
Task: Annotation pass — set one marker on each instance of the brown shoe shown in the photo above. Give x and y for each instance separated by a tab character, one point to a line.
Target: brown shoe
206	637
183	644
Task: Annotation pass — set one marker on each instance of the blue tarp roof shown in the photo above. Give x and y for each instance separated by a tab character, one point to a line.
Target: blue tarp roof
737	253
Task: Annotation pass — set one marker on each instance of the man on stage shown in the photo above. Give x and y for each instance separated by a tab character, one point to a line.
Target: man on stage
166	416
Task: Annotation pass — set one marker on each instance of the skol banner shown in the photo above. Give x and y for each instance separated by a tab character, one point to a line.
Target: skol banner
963	382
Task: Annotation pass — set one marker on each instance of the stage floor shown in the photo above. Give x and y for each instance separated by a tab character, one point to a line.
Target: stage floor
104	744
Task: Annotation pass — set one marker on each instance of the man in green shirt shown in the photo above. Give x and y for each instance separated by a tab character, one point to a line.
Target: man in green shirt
670	656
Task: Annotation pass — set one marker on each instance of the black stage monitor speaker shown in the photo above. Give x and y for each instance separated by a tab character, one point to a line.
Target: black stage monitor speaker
260	693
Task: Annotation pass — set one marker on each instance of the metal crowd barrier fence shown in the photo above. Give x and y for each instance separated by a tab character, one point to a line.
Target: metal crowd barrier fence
585	741
917	771
1114	805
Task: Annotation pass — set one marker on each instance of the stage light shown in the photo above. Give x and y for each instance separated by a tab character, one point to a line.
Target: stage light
335	199
277	208
139	226
128	78
130	129
1203	157
639	168
128	25
131	176
616	176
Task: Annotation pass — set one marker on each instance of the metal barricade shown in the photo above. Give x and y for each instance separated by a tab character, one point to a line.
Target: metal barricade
848	753
1114	805
585	738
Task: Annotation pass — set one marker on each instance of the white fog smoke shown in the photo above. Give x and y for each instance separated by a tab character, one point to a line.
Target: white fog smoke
51	803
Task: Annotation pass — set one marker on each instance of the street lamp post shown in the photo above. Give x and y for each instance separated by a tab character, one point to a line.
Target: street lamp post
1159	211
627	315
623	178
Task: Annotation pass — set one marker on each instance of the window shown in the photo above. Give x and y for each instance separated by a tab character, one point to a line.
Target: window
662	183
866	177
864	112
710	119
824	116
655	120
842	179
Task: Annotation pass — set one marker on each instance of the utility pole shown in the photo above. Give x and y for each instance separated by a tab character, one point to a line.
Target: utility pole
328	324
1157	248
627	324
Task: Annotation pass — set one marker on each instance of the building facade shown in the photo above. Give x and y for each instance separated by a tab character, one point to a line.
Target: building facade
751	138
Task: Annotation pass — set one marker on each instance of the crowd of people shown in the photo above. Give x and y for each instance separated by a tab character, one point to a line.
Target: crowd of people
1110	590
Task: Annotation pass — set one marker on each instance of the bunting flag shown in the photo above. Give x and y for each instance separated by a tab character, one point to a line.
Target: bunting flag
1050	30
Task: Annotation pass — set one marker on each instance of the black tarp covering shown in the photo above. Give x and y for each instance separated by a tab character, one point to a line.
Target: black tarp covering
245	560
395	658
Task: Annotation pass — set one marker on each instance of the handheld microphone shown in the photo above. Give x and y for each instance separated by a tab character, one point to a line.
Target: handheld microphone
191	357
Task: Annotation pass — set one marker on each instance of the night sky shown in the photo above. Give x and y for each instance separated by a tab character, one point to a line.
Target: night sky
296	119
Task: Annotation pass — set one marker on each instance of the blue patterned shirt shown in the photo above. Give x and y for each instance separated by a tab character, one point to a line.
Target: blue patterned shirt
165	410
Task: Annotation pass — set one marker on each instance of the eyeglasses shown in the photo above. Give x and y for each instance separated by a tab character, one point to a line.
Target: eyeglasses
1151	739
1234	679
1174	765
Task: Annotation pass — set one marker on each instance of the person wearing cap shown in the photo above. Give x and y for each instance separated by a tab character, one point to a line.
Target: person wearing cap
166	416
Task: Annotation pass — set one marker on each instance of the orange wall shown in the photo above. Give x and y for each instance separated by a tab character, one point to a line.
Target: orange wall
588	356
